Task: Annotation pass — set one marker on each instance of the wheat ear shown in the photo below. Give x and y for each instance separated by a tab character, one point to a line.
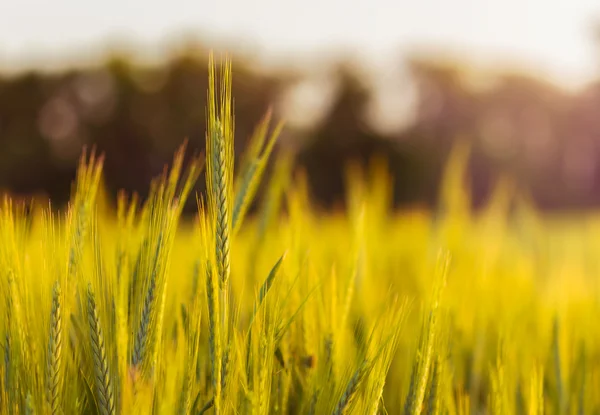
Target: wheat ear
429	333
219	176
54	352
104	387
349	394
141	336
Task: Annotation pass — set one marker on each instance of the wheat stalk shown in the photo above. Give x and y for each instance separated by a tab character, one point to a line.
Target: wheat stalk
214	331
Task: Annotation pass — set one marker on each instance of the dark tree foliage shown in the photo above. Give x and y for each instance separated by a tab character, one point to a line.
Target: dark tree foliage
546	139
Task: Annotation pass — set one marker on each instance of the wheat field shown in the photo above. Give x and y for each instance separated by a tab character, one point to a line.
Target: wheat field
293	310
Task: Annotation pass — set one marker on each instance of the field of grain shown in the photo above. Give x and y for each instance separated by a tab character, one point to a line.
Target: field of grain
293	310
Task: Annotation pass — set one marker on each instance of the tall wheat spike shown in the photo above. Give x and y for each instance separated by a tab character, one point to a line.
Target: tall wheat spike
53	374
219	161
219	176
104	385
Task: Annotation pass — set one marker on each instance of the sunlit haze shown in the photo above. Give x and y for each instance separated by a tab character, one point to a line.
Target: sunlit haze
555	38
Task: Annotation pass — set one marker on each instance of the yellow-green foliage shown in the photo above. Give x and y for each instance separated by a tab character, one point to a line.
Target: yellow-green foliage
366	311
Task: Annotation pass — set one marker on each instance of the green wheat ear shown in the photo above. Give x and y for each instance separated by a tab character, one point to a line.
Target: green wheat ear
104	386
140	345
149	281
219	178
54	352
219	162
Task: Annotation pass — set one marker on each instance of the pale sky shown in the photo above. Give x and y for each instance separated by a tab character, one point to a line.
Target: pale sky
549	35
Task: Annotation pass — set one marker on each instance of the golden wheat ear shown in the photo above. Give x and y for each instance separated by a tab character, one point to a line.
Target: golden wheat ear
54	375
429	332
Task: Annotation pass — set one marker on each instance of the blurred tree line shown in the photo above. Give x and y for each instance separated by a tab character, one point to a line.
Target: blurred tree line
546	139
